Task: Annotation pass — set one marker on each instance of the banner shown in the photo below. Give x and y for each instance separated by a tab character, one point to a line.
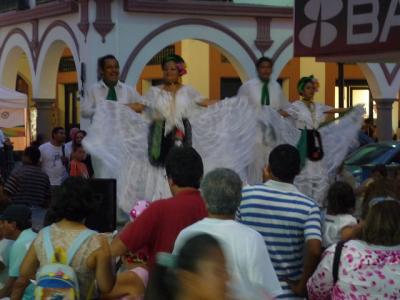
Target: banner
12	122
325	28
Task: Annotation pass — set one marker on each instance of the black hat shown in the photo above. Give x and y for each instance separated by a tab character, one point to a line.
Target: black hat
18	213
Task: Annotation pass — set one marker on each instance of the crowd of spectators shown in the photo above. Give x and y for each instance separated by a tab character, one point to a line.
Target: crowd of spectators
215	238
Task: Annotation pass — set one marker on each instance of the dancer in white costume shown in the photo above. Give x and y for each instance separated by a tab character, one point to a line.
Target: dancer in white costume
133	144
111	89
323	146
262	92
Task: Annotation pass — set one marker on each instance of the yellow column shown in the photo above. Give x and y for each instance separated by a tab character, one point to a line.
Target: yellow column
196	55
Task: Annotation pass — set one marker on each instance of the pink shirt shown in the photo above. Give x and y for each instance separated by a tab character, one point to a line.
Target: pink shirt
366	272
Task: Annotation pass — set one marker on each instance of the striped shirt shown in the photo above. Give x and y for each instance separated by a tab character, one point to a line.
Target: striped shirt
28	185
286	219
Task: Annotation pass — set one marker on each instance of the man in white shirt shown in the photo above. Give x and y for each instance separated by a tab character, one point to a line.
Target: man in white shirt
262	90
110	88
53	159
252	273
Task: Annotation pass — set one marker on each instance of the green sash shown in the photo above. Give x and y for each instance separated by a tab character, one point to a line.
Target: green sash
156	139
302	147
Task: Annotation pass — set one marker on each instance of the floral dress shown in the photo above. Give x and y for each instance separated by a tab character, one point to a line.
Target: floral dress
366	272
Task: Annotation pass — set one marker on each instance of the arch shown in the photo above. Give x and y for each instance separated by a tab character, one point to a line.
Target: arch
282	56
383	83
57	36
228	42
14	46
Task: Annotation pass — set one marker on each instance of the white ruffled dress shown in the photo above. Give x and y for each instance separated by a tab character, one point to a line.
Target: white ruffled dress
232	133
338	137
223	134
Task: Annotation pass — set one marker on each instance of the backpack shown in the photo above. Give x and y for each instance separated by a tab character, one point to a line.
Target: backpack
57	279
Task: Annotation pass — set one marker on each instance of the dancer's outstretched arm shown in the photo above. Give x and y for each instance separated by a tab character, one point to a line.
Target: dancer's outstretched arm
207	102
337	110
137	107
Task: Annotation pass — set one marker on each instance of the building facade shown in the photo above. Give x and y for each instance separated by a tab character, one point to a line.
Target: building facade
49	50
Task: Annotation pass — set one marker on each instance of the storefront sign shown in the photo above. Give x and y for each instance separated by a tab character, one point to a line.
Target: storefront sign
346	27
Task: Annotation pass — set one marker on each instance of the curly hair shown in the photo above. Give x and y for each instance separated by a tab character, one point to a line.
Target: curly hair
74	201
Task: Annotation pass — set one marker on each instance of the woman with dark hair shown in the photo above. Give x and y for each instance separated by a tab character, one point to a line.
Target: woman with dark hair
322	145
198	272
369	266
93	260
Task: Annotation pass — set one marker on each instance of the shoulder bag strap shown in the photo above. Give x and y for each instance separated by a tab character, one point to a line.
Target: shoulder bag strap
336	260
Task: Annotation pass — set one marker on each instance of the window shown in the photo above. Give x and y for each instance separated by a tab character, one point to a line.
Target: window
7	5
230	86
67	64
357	92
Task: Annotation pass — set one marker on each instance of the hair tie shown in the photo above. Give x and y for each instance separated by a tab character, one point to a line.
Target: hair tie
167	260
378	200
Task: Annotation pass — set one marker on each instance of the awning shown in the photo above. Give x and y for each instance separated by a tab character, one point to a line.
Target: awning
10	99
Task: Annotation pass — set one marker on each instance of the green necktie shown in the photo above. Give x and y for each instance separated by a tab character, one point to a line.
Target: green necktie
112	95
265	93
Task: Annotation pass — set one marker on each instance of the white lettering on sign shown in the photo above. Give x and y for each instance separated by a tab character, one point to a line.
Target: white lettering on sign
392	20
370	18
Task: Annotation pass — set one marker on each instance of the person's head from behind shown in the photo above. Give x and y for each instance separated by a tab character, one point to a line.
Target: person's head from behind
78	153
31	156
380	188
264	68
222	191
379	171
80	135
381	221
58	135
15	218
284	163
74	201
197	272
341	199
184	168
108	69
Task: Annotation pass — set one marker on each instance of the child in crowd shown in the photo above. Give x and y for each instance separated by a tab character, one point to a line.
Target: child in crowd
131	284
339	219
77	167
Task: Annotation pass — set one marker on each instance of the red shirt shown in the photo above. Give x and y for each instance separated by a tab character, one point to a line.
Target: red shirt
159	225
